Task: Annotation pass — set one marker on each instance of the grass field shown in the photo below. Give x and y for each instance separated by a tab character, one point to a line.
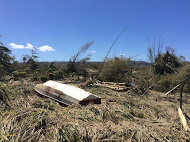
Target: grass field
122	116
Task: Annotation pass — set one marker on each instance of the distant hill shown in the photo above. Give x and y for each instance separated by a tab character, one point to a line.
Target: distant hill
135	63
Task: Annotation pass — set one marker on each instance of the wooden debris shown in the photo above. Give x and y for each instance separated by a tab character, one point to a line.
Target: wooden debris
172	89
113	86
181	115
85	84
113	83
183	120
120	87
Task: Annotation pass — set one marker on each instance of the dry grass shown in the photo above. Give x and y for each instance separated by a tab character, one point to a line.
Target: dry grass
122	116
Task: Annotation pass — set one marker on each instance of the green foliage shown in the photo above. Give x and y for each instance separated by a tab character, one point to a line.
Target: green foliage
163	62
5	59
4	55
166	63
33	64
116	70
44	78
19	74
51	72
7	78
3	71
164	83
94	66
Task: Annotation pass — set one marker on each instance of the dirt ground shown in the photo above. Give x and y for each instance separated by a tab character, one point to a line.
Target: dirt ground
122	116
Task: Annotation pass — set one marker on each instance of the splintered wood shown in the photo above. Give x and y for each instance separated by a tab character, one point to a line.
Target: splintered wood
114	86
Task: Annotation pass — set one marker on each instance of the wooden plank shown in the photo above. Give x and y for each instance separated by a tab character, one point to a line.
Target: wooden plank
172	89
113	83
183	120
113	87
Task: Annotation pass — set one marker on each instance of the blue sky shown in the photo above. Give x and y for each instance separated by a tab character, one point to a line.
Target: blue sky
59	27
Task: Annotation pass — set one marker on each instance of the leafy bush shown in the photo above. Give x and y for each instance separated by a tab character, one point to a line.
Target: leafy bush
50	71
116	70
44	78
5	59
33	64
164	83
166	63
19	74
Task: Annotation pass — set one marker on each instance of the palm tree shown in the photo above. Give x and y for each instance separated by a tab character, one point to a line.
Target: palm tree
51	71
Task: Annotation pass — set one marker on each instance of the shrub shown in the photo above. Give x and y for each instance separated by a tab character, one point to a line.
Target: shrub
116	70
3	72
166	82
166	63
163	84
33	64
5	60
19	74
50	71
44	78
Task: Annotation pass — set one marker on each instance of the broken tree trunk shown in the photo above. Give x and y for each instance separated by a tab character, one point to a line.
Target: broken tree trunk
182	117
183	120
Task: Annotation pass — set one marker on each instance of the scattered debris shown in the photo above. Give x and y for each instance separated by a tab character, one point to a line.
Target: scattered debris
151	87
120	86
114	86
66	94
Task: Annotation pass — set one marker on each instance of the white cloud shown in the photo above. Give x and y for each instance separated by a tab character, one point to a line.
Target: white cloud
46	48
93	51
15	46
43	48
29	46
